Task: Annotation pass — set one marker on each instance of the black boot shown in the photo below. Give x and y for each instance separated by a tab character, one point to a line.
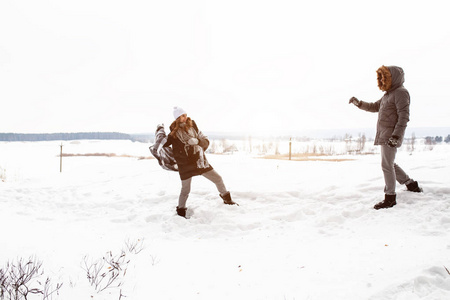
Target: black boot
181	211
414	187
389	201
227	199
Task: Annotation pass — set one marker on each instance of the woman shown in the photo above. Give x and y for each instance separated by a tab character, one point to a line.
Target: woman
189	146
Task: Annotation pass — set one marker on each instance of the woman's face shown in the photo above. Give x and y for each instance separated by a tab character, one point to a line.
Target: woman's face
183	118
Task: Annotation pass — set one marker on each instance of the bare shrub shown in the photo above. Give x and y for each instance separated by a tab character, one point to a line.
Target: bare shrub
22	278
110	270
135	247
2	174
155	260
430	142
361	142
413	141
107	272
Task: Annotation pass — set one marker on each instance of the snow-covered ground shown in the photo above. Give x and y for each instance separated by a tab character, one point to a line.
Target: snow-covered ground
303	230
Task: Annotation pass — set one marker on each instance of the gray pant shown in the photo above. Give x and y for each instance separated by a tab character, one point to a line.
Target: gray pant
186	186
392	172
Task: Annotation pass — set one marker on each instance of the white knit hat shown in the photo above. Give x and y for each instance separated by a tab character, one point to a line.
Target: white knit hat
178	111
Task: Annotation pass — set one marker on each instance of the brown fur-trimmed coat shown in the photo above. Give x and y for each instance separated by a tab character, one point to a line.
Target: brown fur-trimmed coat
392	108
184	156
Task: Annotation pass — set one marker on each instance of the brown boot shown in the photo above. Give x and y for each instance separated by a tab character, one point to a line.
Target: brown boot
181	211
389	201
414	187
227	199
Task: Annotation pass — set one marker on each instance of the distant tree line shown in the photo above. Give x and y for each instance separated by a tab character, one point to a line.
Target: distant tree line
437	139
34	137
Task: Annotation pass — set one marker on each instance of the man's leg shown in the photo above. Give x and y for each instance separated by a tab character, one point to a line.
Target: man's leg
401	176
389	171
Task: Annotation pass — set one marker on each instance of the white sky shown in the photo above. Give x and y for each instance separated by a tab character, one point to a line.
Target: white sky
247	66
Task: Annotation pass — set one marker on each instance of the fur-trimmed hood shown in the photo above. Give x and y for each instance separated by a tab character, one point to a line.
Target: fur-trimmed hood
393	75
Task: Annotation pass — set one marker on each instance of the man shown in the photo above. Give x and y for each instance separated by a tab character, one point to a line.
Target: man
393	115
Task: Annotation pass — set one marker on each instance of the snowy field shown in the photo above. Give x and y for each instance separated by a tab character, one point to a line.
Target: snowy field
303	230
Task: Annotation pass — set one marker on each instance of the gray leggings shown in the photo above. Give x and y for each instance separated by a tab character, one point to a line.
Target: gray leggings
186	186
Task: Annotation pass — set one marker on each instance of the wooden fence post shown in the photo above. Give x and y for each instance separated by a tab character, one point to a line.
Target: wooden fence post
60	160
290	148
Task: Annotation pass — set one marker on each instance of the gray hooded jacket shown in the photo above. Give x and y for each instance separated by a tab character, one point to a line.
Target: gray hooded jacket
392	108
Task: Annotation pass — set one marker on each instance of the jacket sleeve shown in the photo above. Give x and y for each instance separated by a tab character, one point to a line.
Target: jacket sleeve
370	107
402	106
202	139
169	141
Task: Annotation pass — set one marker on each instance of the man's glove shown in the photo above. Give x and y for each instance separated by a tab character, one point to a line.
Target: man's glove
193	141
393	141
355	101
